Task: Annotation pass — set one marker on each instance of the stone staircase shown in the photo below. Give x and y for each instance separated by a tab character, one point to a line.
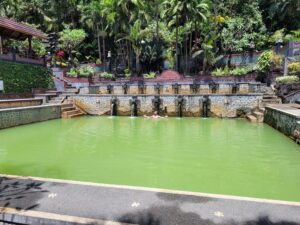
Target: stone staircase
69	110
257	116
269	97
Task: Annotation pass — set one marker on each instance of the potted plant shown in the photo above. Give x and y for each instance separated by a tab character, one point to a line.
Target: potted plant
99	67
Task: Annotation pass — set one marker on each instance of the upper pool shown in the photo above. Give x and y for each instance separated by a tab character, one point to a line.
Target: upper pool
202	155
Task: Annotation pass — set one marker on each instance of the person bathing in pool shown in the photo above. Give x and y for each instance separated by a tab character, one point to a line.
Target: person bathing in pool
154	116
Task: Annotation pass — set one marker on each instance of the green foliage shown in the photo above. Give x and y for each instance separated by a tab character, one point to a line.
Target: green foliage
127	72
287	80
240	32
294	68
98	62
86	71
73	72
21	78
107	75
223	27
38	47
70	39
149	75
265	62
226	71
294	35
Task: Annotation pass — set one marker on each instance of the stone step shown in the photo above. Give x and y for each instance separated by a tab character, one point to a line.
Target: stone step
72	112
66	105
259	116
270	97
271	101
76	115
262	110
54	102
251	118
65	109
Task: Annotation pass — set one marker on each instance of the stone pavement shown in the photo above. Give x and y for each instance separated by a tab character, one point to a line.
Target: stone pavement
48	201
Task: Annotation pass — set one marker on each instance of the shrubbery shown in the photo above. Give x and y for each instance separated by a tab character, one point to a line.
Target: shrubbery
149	75
106	75
226	71
21	78
287	80
294	68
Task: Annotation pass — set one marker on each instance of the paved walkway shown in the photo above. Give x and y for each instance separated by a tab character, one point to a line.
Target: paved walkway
292	109
46	201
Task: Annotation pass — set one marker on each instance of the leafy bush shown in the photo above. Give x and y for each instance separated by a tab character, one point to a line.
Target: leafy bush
106	75
21	78
264	63
294	68
86	71
267	60
127	73
73	72
287	80
149	75
98	62
238	71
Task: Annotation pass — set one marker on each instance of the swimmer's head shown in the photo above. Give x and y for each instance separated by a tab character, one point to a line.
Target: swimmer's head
155	113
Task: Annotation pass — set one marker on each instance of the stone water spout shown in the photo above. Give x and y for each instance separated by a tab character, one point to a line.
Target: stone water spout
180	104
157	88
194	87
176	88
109	89
125	88
113	109
141	88
134	106
205	106
234	88
214	87
156	104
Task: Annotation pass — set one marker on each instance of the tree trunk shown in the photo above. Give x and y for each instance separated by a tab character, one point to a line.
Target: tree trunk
104	50
204	66
177	66
137	63
190	50
157	22
98	41
186	52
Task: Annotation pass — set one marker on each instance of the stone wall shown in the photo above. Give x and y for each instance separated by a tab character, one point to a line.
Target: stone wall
183	88
220	105
13	103
285	122
27	115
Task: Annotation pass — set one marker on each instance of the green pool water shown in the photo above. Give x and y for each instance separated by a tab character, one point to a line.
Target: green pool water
202	155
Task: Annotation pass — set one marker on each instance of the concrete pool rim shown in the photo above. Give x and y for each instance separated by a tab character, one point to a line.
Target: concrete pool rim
151	189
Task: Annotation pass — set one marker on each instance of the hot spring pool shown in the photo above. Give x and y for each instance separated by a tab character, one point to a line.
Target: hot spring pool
203	155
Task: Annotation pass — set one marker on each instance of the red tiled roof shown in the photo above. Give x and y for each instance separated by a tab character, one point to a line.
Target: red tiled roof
12	29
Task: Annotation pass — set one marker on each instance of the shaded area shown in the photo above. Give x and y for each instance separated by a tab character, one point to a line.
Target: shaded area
20	195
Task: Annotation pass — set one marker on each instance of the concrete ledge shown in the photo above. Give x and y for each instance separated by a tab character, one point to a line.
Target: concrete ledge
42	201
284	118
14	103
25	115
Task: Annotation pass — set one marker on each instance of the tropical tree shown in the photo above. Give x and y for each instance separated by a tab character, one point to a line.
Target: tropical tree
69	39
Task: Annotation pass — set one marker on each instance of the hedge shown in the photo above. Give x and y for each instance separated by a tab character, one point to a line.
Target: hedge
21	78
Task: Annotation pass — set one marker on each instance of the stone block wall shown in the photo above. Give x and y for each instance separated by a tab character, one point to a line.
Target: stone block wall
27	115
282	121
13	103
221	105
